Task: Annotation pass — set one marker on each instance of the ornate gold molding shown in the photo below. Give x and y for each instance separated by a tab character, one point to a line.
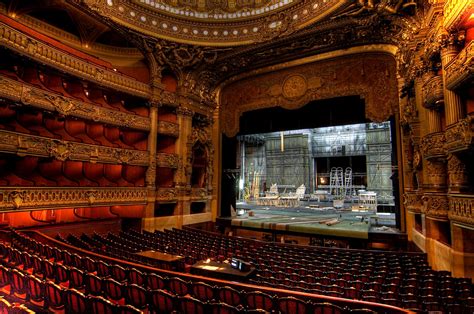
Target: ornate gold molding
460	135
44	53
166	195
199	194
461	208
167	160
455	12
22	144
460	70
38	98
168	128
433	92
366	75
413	201
19	198
435	206
432	145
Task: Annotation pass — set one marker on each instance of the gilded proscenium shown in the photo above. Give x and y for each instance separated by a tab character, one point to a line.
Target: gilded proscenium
183	28
413	202
39	98
460	136
365	75
166	194
460	71
44	53
456	11
23	144
168	128
432	145
167	160
16	198
433	92
461	208
435	206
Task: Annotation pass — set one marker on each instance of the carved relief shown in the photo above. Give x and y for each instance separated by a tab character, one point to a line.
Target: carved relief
432	145
435	205
166	194
38	98
457	174
167	160
433	92
23	144
461	209
366	76
50	198
435	173
460	70
413	201
460	136
168	128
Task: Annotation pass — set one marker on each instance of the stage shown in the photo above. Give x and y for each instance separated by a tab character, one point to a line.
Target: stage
316	220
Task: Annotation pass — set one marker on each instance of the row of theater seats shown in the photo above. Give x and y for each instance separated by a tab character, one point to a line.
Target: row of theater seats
7	307
65	285
72	88
401	279
37	171
32	121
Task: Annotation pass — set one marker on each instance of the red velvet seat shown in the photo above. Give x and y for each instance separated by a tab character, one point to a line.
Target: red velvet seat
326	308
259	300
291	305
154	281
100	305
93	284
54	296
136	296
178	286
62	275
76	302
190	305
230	296
119	273
162	301
114	291
52	169
36	291
135	276
76	278
203	291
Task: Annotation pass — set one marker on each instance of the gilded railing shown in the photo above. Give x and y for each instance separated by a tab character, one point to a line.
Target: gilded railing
460	136
167	160
168	128
44	53
22	198
42	99
461	208
23	144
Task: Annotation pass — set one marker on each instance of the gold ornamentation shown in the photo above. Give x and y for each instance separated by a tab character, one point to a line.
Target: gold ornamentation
364	75
45	53
432	145
460	136
433	92
435	173
460	71
167	160
166	194
294	86
457	174
168	128
454	10
461	208
60	197
23	144
198	193
46	100
436	206
413	201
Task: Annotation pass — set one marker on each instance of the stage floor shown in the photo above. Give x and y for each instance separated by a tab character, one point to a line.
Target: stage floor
323	220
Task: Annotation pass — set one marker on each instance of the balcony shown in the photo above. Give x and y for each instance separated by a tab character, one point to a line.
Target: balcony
460	71
461	208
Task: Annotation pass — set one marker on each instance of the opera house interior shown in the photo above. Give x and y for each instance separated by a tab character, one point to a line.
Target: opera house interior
234	156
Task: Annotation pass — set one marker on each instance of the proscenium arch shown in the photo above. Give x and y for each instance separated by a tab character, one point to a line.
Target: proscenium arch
366	71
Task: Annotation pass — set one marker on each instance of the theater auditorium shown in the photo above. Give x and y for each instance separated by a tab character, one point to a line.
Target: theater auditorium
237	156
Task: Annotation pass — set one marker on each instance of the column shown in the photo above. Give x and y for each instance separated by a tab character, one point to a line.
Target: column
454	109
150	177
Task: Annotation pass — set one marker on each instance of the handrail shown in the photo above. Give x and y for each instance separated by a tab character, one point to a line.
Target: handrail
383	308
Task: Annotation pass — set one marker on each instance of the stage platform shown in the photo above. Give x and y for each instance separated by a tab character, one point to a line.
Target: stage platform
316	220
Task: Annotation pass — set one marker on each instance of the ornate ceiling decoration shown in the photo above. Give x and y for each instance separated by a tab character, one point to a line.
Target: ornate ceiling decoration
216	22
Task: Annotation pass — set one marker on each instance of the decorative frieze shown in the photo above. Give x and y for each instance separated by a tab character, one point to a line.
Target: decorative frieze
23	144
44	53
435	206
167	160
460	71
432	145
454	10
458	179
168	98
168	128
461	208
460	136
433	92
198	194
166	194
20	198
413	202
46	100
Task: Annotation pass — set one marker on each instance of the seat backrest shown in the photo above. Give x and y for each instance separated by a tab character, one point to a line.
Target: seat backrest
162	300
76	302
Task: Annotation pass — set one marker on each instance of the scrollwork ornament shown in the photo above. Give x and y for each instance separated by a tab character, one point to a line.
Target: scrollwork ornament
59	150
435	205
17	198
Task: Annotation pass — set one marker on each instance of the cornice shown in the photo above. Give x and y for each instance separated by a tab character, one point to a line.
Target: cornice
460	71
23	144
37	198
36	97
37	50
159	24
